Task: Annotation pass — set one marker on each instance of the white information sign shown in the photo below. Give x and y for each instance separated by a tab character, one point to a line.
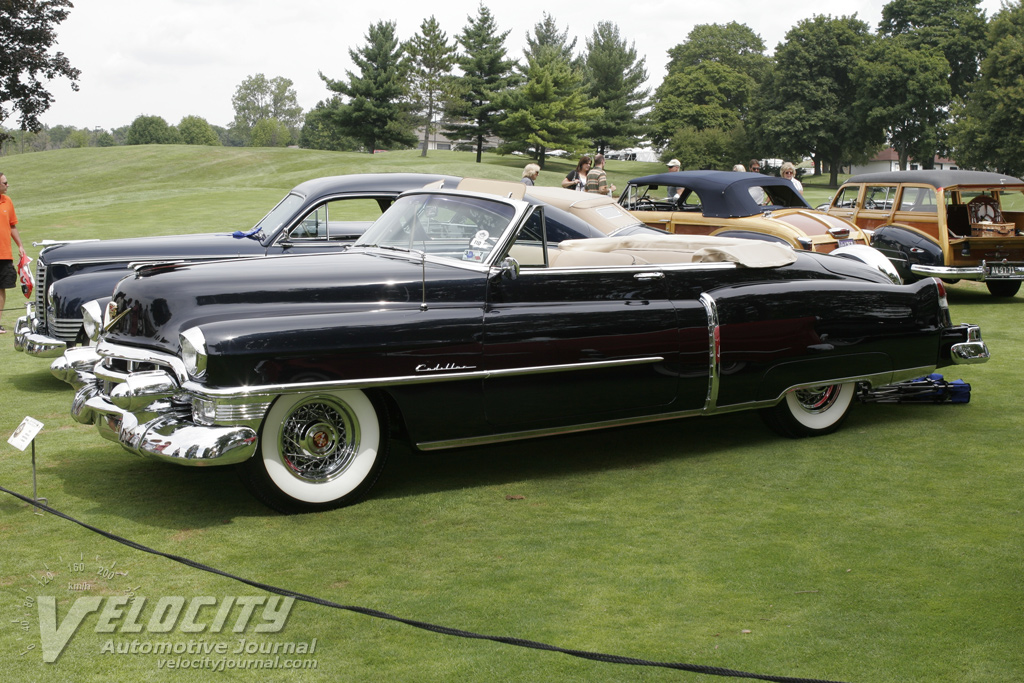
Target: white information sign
25	432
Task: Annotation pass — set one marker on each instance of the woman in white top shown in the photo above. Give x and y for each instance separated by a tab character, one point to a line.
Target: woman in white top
788	171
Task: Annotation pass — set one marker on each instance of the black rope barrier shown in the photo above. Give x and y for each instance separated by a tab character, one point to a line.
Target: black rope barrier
426	626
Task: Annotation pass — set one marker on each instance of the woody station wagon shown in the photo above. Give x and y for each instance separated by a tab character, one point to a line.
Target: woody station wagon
955	225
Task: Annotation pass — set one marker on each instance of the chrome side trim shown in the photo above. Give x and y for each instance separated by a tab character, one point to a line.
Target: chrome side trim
132	354
714	357
552	431
879	379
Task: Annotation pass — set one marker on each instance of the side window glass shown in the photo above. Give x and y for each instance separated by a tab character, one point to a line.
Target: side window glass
688	201
312	227
920	199
879	197
340	219
1012	201
528	249
846	198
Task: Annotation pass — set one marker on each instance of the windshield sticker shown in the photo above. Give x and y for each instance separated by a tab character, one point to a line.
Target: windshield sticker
480	240
471	255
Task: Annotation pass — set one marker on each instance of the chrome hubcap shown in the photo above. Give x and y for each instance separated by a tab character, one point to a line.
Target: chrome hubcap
818	399
319	439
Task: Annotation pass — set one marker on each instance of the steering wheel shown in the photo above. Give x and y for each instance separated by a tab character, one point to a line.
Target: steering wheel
870	204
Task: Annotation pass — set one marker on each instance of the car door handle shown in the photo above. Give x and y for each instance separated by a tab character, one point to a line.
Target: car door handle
649	276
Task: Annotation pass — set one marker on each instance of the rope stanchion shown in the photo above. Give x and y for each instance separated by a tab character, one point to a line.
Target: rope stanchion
434	628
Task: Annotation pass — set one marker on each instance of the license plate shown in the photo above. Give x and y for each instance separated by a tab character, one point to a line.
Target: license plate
845	243
1015	272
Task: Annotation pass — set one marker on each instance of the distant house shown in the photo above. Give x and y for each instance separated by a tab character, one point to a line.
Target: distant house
889	160
439	141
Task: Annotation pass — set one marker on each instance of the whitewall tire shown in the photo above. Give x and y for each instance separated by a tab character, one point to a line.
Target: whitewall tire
318	451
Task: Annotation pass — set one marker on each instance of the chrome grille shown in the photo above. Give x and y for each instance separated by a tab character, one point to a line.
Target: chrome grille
65	329
41	295
227	413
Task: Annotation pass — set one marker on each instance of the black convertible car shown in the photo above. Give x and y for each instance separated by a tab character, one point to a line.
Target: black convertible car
321	215
461	318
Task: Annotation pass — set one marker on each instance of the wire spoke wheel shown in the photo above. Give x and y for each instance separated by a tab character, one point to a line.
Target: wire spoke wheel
811	411
318	451
319	439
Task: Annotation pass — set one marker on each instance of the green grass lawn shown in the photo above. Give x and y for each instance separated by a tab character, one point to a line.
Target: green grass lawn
889	551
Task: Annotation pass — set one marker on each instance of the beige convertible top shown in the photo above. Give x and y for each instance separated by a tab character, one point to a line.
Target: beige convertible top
680	249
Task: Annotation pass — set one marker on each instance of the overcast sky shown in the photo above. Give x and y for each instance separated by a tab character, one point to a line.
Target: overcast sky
174	58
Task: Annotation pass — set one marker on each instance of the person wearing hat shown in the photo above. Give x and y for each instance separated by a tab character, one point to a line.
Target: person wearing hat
673	192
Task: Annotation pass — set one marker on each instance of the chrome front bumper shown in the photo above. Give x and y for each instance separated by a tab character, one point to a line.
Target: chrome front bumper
165	434
75	366
28	340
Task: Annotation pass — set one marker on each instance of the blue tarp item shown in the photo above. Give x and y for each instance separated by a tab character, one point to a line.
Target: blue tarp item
930	389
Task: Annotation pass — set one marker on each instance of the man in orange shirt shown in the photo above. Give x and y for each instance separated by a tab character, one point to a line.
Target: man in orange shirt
8	231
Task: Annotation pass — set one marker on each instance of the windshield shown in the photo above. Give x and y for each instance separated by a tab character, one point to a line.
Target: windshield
458	227
279	215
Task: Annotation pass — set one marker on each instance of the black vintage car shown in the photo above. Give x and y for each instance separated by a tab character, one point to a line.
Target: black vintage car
458	318
321	215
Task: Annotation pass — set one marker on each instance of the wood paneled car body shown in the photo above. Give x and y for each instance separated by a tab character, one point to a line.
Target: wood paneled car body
949	224
458	318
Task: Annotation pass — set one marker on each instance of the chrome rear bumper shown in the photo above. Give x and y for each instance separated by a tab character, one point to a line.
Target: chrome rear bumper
972	351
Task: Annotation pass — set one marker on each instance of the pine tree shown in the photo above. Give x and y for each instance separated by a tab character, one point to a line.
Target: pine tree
432	61
615	78
473	109
378	112
550	110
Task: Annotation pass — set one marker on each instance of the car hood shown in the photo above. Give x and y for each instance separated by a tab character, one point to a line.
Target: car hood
157	303
169	248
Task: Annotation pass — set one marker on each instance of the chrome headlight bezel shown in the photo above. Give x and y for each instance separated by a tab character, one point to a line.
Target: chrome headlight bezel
92	319
193	352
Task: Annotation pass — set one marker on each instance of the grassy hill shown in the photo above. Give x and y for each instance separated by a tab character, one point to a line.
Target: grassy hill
171	189
888	551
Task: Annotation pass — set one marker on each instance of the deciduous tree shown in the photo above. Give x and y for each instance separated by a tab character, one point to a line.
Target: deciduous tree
258	98
712	80
151	130
905	91
195	130
28	31
808	104
989	133
955	27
